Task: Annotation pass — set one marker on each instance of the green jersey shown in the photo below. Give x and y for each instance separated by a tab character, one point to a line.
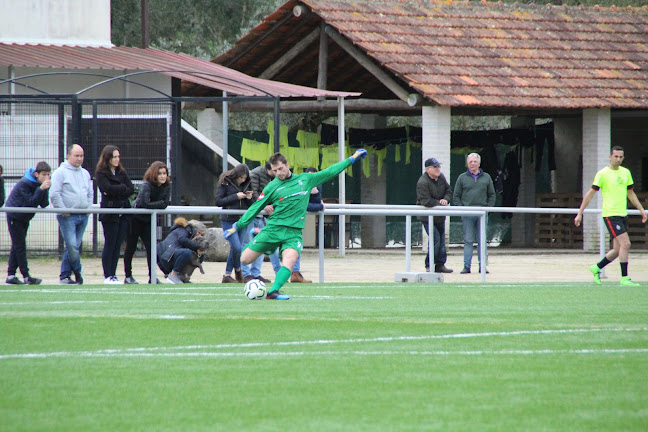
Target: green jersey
290	197
614	186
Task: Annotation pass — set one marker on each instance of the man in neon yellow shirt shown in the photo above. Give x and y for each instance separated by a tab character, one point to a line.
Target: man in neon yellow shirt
289	194
616	186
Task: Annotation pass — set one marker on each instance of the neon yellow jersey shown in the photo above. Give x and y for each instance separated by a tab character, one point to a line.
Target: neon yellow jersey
614	186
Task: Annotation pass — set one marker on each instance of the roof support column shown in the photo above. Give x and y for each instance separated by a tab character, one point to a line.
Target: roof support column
373	190
596	150
341	177
436	136
436	143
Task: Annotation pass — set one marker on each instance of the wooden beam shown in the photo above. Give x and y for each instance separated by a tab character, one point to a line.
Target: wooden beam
293	52
322	68
375	70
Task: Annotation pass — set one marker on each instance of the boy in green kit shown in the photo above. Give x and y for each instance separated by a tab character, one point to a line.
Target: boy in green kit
288	193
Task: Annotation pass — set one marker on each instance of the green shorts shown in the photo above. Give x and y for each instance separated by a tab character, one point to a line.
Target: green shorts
272	237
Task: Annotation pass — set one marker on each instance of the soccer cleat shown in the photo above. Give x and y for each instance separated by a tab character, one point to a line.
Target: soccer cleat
13	280
276	295
33	281
130	280
596	271
626	281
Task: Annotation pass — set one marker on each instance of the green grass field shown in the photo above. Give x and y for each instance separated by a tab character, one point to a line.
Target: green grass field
336	357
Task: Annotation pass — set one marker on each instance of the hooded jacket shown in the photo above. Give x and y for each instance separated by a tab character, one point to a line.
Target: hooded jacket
71	187
180	236
27	193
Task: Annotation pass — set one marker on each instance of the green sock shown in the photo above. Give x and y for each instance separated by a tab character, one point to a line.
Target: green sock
281	278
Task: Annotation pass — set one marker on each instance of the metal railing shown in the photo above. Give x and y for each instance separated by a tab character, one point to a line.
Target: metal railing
406	211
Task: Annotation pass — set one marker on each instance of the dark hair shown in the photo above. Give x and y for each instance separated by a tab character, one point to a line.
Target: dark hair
1	170
104	159
43	166
616	148
310	170
268	167
277	158
238	171
152	172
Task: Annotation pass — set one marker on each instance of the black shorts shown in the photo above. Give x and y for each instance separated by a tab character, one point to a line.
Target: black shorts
616	225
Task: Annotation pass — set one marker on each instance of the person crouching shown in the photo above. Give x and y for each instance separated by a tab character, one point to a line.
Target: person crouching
180	247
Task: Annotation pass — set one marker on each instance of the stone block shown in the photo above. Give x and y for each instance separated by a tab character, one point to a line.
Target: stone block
414	277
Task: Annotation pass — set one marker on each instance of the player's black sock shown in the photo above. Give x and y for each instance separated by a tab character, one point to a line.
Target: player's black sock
603	262
624	269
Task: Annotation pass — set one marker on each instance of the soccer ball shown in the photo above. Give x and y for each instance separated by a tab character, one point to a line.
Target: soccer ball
255	290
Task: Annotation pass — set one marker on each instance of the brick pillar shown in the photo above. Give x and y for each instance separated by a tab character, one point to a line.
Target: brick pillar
596	152
373	191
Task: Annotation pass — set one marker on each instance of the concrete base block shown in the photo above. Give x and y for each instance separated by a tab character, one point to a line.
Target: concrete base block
414	277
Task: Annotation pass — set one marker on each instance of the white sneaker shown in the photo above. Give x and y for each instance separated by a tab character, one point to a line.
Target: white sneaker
112	280
173	279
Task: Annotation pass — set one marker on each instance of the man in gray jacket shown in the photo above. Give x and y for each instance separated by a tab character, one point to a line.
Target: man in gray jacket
72	189
432	189
473	188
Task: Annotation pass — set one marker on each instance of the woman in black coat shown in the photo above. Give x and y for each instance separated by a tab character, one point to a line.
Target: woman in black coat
235	192
154	194
115	187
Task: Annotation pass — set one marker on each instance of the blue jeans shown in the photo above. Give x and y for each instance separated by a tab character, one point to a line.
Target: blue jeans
255	267
236	241
72	229
114	235
440	253
471	235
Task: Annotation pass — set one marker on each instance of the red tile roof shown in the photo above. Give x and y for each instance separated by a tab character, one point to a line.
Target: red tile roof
176	65
467	54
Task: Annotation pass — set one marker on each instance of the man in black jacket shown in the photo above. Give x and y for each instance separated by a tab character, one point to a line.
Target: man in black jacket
432	189
31	191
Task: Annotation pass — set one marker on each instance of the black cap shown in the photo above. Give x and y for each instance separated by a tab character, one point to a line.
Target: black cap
432	162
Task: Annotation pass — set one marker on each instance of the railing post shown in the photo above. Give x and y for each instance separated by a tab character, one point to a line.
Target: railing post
431	240
320	237
153	248
408	243
482	249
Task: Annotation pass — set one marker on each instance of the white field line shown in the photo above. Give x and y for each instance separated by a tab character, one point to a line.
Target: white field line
191	350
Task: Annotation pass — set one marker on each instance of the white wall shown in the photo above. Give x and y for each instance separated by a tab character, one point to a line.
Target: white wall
59	22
